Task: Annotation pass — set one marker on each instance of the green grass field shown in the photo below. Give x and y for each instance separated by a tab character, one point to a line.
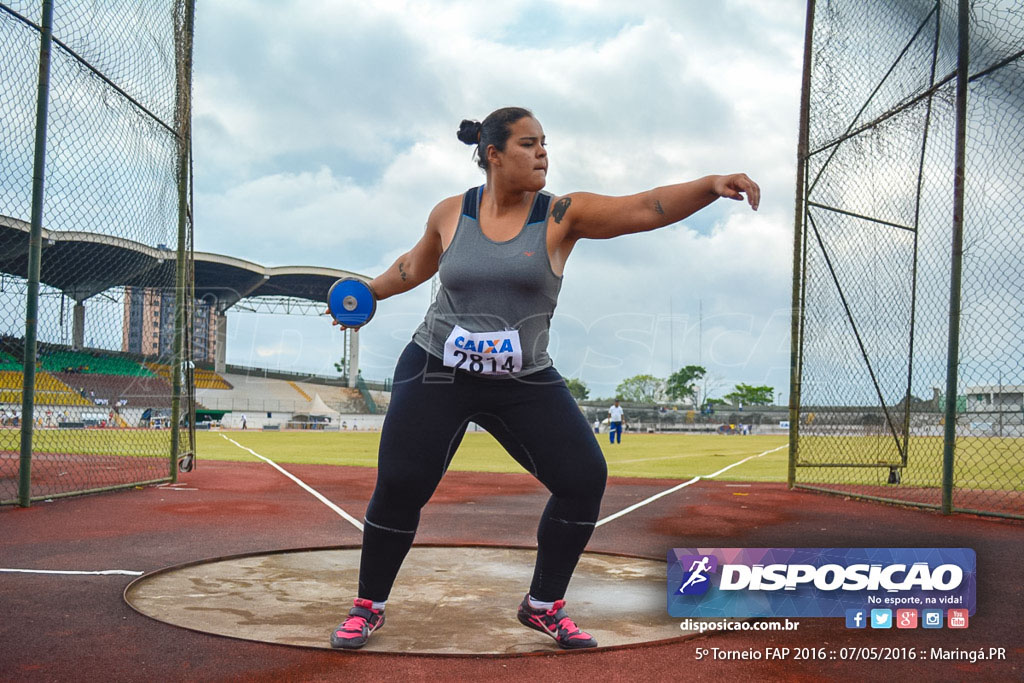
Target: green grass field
143	443
670	456
982	463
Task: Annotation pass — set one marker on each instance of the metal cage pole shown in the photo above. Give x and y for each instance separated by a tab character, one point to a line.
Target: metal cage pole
796	321
183	116
956	266
35	250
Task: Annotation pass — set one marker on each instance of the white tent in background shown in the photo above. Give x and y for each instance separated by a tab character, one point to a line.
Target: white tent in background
318	411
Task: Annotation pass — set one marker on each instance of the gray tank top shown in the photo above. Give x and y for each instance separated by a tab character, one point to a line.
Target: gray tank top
488	286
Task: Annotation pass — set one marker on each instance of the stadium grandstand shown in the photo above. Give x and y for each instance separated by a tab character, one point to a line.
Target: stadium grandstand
275	401
103	388
83	265
131	386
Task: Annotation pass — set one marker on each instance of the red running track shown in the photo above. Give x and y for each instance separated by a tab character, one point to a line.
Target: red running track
59	627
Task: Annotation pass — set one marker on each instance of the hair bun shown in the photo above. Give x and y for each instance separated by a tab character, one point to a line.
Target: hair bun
469	131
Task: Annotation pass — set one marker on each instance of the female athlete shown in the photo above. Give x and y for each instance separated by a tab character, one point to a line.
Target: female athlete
480	356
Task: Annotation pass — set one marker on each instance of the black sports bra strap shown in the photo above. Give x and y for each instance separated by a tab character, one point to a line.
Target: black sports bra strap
540	209
471	206
471	202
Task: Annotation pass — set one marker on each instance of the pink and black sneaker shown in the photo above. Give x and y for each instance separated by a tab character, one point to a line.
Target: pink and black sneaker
362	620
556	624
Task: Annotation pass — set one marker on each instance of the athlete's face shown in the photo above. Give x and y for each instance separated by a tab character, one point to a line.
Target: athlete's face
524	163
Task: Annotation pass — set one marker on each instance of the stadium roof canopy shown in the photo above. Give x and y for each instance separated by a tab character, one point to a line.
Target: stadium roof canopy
83	264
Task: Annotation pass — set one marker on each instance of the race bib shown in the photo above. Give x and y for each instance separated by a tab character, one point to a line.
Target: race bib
484	353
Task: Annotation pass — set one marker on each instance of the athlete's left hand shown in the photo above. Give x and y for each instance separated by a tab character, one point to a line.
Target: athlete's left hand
735	186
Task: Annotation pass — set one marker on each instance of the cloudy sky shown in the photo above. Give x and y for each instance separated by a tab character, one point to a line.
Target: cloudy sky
324	133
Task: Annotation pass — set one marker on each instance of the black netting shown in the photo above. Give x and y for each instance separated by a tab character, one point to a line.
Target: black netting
877	240
103	394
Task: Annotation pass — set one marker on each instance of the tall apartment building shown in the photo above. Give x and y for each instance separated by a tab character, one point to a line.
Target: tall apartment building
149	325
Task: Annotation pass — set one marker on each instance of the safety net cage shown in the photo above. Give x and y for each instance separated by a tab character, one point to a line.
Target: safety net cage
96	305
908	293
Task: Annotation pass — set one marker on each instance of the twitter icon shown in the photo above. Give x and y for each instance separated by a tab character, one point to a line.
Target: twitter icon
881	618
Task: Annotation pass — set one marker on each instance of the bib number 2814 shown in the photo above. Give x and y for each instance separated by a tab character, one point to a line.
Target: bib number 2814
484	353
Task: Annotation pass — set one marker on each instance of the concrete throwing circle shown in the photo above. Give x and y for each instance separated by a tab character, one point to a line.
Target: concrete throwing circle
447	600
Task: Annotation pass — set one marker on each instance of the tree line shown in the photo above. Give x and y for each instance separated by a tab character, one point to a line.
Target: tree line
682	385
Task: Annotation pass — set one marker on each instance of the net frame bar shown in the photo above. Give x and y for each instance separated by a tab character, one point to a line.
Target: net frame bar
35	254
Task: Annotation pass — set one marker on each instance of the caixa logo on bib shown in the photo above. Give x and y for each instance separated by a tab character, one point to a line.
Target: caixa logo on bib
485	345
822	582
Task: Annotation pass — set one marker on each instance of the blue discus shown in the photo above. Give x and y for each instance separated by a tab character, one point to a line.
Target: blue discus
351	302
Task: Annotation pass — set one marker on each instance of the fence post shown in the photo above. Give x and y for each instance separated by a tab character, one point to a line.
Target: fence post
953	353
35	249
183	116
796	322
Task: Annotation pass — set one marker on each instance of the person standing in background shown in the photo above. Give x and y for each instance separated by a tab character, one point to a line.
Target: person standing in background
615	423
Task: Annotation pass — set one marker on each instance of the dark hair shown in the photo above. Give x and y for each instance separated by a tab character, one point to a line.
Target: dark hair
493	131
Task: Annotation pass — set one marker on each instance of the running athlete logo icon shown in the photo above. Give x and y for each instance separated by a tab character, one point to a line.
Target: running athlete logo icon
696	580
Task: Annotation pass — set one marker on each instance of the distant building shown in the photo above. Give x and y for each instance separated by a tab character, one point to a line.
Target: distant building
149	324
204	333
995	397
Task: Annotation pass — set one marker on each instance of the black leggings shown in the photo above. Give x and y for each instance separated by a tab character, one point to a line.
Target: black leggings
533	417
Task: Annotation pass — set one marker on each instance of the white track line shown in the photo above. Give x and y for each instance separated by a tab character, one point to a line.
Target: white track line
656	496
175	487
102	572
316	494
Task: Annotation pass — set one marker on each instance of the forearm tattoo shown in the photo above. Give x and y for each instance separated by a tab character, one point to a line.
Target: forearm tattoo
401	271
559	209
657	207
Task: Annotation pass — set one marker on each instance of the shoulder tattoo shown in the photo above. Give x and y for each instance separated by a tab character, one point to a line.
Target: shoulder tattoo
559	209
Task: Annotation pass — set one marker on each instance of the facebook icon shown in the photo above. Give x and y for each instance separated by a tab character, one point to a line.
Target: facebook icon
856	618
